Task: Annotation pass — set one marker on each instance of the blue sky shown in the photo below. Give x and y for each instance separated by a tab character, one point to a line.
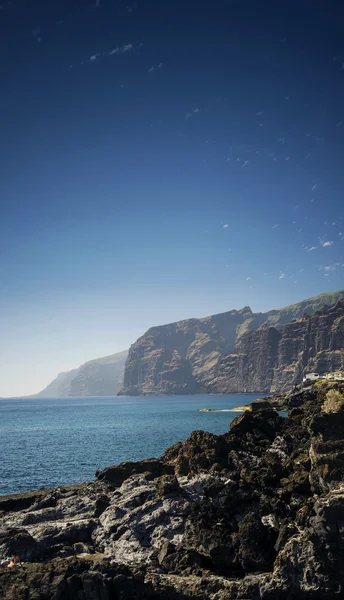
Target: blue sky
162	161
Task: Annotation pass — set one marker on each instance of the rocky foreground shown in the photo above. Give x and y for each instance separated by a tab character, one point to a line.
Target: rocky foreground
255	513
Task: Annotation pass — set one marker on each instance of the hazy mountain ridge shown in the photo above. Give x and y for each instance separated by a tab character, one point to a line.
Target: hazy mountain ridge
99	377
183	357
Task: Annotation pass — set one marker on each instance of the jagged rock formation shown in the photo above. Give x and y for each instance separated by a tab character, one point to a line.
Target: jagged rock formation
184	357
99	377
268	360
254	513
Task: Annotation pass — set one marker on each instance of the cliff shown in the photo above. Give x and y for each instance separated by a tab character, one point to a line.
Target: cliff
254	513
99	377
270	359
185	357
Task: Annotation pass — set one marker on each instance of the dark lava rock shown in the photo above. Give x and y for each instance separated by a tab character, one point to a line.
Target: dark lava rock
257	512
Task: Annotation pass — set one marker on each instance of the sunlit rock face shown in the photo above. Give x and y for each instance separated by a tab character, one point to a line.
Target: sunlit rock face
237	351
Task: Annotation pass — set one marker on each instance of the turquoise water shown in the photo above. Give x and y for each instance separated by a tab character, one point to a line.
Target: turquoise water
45	443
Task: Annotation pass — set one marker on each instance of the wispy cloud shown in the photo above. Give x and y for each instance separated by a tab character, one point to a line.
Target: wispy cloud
275	226
131	7
194	112
311	249
248	279
327	268
281	276
155	67
37	35
326	244
117	50
225	226
314	187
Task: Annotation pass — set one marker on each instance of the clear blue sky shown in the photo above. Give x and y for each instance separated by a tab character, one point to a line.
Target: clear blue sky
162	160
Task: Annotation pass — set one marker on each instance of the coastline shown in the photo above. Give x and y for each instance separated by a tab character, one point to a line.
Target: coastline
164	528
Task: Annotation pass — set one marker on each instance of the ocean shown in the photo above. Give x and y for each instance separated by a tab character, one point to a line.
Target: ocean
51	442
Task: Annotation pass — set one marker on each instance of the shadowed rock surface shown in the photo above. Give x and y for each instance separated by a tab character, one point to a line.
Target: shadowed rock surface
268	359
215	354
254	513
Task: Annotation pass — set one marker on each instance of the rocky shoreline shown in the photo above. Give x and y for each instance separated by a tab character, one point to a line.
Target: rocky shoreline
254	513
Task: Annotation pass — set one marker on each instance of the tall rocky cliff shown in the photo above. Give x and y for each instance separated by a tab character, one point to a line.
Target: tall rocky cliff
268	359
99	377
194	356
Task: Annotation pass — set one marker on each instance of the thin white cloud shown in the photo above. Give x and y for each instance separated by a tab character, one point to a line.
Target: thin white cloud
326	244
36	34
314	187
312	248
245	163
194	111
155	67
275	226
281	276
131	7
327	268
225	226
248	278
117	50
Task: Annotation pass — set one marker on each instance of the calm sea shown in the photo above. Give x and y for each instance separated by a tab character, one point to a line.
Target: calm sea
45	443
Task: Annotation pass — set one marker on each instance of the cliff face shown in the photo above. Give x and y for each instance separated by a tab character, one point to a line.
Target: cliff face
180	358
99	377
268	360
188	357
254	513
